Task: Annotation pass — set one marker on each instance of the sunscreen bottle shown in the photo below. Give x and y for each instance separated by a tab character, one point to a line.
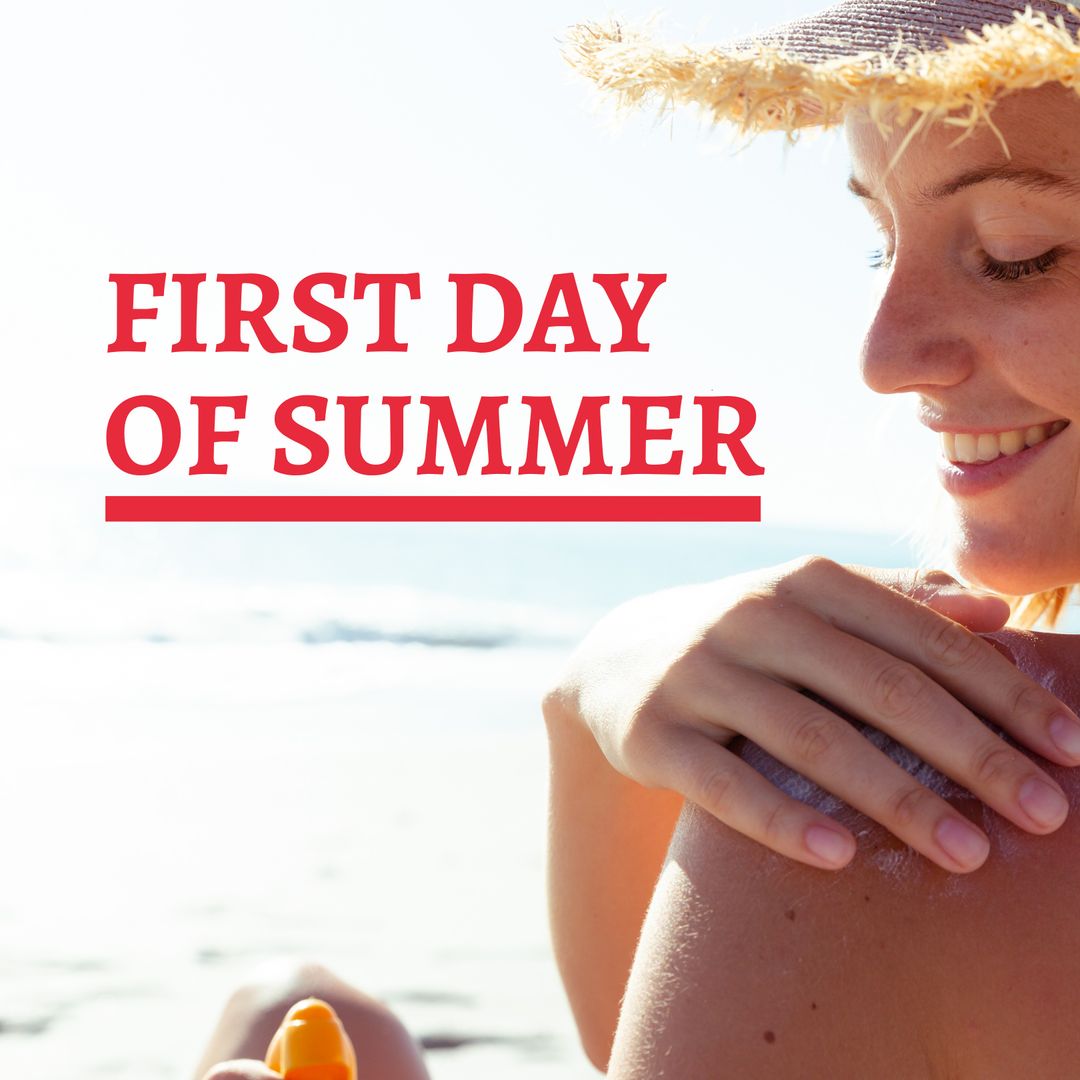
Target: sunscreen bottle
311	1044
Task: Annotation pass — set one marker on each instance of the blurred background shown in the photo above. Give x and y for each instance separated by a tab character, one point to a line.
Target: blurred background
237	746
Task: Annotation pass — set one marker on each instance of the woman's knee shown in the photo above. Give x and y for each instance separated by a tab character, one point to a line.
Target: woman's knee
240	1070
384	1048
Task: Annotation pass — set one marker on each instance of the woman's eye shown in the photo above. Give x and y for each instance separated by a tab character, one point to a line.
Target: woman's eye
994	269
1014	271
879	259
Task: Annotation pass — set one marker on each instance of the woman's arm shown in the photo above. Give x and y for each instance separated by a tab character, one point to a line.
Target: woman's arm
650	700
608	838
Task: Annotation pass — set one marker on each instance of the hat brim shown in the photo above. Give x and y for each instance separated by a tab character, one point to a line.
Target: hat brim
787	81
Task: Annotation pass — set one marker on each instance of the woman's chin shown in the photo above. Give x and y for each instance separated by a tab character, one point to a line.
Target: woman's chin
1011	569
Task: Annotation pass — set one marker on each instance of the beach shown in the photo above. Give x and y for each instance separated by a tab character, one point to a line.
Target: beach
230	768
177	833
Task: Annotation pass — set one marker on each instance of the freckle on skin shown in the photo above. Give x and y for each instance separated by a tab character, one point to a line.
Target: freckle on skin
770	1037
867	898
790	915
813	1004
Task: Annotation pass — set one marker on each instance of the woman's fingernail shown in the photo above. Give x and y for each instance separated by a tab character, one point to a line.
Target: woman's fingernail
963	843
1065	732
1045	805
830	846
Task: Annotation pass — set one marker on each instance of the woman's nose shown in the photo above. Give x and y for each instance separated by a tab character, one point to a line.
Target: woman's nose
917	339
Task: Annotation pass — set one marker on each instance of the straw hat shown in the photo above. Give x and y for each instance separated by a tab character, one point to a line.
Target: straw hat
896	58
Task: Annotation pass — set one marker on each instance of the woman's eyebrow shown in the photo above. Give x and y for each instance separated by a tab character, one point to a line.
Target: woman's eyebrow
1031	178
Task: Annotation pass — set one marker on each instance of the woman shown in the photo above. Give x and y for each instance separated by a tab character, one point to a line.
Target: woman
847	959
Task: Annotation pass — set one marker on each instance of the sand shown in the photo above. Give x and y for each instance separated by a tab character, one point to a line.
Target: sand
180	815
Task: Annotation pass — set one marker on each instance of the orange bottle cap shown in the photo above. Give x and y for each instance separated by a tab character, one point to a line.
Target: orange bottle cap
311	1044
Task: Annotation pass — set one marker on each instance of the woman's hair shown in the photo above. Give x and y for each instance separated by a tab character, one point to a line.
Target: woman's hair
1046	607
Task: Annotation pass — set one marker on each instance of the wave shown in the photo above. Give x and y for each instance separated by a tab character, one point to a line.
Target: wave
339	631
162	612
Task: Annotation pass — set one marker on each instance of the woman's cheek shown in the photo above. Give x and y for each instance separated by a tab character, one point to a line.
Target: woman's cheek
1040	348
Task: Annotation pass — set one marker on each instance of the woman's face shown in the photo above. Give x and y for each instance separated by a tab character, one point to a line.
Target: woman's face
979	315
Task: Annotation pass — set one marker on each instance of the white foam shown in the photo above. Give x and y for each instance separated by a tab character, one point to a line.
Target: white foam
162	610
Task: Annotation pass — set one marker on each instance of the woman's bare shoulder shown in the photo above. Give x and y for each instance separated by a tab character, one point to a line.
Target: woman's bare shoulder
890	967
780	969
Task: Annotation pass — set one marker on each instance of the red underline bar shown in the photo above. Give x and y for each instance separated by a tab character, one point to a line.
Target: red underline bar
276	508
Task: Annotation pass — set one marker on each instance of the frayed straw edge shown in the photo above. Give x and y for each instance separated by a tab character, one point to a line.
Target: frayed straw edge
764	89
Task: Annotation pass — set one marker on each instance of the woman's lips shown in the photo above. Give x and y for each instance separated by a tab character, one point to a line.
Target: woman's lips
1003	454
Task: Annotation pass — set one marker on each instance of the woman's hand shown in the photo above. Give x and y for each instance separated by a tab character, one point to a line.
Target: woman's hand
666	681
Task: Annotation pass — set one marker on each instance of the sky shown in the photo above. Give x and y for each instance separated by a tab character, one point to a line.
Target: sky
289	139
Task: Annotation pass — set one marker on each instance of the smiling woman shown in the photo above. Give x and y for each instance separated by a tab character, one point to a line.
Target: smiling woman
977	316
846	718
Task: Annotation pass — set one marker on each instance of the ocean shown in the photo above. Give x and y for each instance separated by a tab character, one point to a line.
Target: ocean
474	586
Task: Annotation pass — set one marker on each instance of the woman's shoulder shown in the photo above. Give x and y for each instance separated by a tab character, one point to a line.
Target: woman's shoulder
890	967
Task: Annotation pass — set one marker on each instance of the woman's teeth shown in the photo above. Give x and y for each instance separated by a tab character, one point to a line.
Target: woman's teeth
969	449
